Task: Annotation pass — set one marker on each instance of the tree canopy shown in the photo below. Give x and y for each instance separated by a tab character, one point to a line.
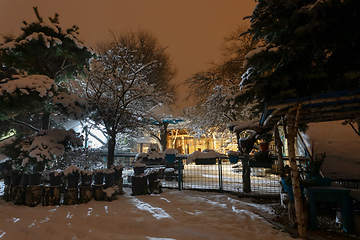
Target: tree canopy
309	47
129	76
43	48
32	68
212	87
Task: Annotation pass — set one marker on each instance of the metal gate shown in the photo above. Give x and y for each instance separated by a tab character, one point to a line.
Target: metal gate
221	177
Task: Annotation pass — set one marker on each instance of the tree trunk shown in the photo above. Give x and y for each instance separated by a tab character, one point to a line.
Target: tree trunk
295	177
45	120
237	140
279	152
111	151
163	136
246	175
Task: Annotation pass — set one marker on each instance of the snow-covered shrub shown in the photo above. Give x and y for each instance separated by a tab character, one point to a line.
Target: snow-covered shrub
41	149
71	170
83	158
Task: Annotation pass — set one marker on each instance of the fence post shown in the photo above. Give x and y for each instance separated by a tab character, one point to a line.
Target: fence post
246	175
180	177
220	175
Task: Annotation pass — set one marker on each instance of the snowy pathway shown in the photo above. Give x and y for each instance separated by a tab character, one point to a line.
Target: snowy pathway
170	215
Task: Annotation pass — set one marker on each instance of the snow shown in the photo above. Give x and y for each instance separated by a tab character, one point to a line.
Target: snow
170	215
49	143
171	151
138	163
68	101
155	155
233	153
202	155
71	169
38	83
241	126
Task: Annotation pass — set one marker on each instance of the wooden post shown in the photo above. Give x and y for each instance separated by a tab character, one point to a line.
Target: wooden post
13	192
85	194
292	122
6	195
33	195
71	196
98	192
119	184
279	152
246	174
20	198
52	195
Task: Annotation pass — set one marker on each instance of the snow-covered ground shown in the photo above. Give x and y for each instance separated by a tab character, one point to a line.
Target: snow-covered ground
172	214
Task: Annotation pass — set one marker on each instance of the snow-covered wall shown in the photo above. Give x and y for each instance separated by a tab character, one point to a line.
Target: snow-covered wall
341	145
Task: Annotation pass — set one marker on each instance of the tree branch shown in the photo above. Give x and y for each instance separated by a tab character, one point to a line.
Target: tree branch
24	124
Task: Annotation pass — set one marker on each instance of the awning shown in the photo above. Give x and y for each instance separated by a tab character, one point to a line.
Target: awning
332	106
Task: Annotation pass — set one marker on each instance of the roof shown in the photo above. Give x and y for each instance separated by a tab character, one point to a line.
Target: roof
322	107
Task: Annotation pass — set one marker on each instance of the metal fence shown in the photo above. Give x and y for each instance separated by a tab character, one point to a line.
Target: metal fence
221	177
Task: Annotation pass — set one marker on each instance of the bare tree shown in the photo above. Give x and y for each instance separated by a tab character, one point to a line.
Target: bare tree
211	88
130	75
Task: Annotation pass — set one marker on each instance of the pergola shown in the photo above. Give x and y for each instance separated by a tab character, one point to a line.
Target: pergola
332	106
323	107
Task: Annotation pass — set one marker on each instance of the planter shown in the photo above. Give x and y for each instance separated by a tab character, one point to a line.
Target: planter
139	170
24	180
15	179
243	143
109	179
264	147
139	185
319	180
34	179
260	164
289	189
153	176
169	174
55	179
7	180
72	180
98	178
86	179
170	158
234	159
205	161
118	174
153	161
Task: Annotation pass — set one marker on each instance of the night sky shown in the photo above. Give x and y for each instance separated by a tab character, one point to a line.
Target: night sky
193	30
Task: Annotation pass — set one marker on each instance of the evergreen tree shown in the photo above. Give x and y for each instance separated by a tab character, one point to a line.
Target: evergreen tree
309	47
43	48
